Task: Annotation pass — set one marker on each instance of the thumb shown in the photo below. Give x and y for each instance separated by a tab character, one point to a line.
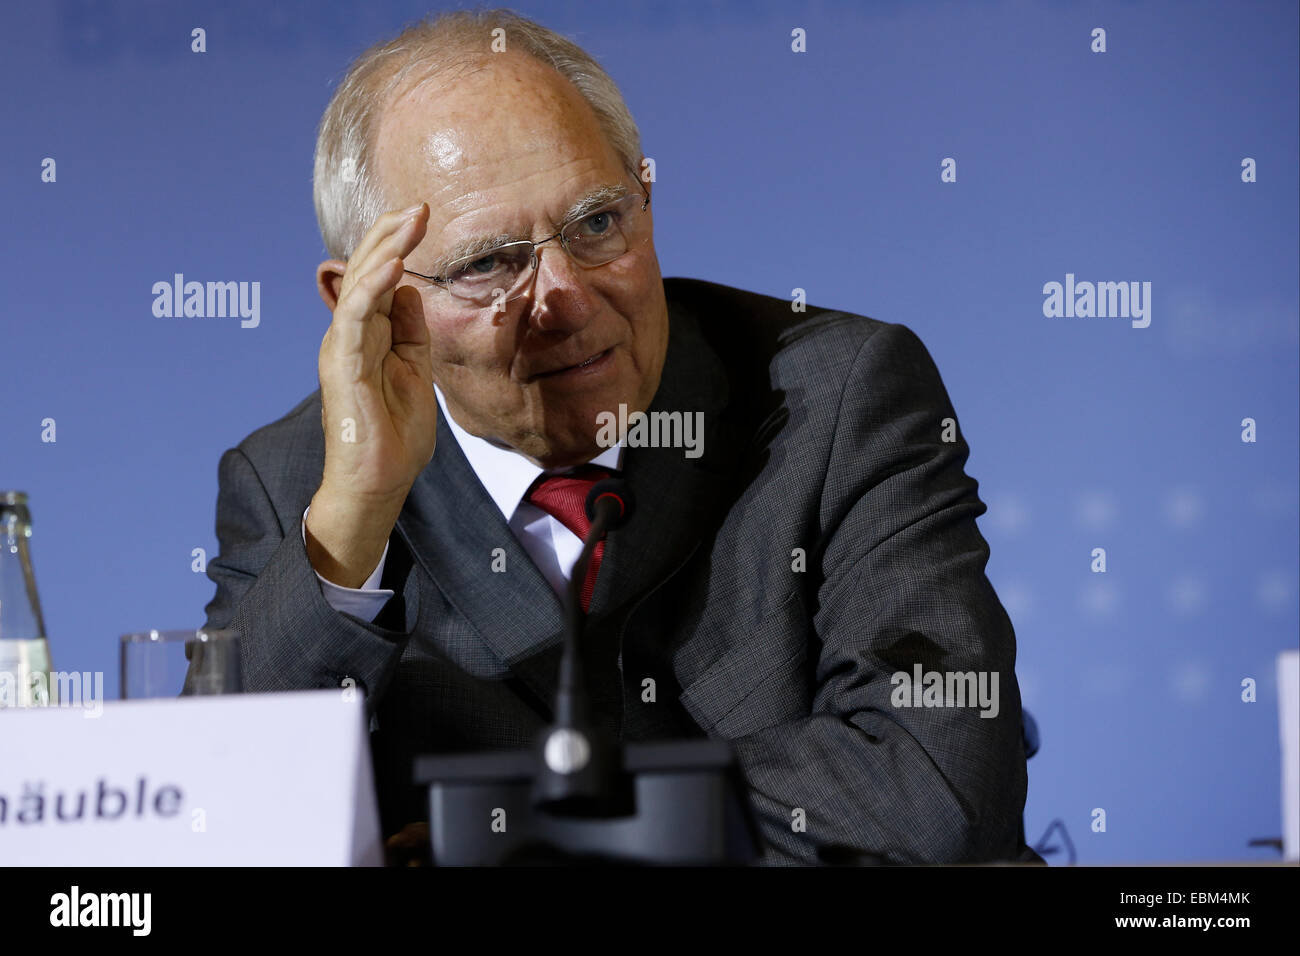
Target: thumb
410	331
408	322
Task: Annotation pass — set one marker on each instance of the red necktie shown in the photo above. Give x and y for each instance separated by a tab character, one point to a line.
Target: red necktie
564	497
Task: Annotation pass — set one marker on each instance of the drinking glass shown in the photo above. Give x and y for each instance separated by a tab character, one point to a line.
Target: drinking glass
173	663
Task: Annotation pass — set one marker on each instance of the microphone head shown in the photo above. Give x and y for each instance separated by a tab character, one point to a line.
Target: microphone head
614	494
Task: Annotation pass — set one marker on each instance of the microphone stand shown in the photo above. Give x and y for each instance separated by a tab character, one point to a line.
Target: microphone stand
580	772
579	794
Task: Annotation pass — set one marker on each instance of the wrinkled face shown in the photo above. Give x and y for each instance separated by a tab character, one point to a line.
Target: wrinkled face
507	150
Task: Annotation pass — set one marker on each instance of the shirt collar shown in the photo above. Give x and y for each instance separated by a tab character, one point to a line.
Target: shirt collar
505	474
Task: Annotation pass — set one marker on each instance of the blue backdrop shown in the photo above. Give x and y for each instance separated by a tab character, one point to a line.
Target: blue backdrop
776	170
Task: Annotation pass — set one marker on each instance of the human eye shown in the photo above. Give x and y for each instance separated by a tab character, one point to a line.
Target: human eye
600	223
483	268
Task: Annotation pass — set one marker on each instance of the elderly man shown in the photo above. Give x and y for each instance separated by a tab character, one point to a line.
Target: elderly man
798	579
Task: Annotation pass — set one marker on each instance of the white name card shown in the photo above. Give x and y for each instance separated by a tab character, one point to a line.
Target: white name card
250	779
1288	685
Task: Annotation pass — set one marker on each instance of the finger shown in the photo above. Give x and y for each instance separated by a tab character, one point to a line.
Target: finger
354	313
412	834
399	244
369	294
388	223
394	234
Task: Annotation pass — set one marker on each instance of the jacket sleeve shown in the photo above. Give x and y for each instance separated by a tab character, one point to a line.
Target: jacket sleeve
290	636
901	584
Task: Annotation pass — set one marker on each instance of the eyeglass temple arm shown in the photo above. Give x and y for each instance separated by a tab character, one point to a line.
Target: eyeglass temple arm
443	279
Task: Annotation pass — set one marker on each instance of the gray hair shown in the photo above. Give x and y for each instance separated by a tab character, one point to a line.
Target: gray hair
345	187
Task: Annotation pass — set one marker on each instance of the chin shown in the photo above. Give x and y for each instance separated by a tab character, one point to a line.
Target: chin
573	444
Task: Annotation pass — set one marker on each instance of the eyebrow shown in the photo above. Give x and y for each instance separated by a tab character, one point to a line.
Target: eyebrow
475	245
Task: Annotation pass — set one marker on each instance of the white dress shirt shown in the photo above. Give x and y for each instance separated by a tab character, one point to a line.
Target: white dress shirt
506	476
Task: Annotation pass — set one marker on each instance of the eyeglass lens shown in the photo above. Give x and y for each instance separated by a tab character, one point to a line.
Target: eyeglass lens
594	240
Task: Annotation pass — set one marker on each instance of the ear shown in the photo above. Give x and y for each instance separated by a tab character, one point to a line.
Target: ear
329	281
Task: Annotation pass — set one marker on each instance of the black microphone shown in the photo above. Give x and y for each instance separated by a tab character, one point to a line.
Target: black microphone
580	765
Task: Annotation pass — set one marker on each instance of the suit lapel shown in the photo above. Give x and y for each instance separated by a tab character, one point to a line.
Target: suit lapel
451	525
675	495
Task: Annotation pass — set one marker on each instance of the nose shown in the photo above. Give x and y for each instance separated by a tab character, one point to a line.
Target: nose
557	292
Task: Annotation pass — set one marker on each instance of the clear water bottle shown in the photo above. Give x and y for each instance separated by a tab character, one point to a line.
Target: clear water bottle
24	650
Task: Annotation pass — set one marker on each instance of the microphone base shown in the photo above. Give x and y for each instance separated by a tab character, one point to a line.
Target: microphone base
579	775
691	809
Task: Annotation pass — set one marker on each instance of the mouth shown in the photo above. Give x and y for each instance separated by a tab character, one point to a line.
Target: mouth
591	366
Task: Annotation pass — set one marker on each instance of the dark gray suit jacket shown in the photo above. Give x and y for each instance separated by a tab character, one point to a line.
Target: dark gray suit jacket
823	438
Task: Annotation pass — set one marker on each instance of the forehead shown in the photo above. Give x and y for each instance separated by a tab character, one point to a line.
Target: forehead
505	124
